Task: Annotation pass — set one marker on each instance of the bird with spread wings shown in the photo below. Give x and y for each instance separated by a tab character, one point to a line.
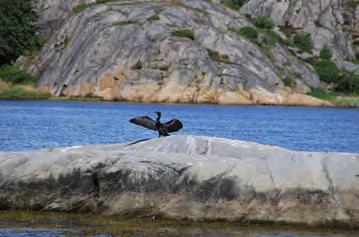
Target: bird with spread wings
163	129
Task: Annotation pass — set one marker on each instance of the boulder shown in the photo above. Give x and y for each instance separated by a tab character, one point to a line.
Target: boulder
199	178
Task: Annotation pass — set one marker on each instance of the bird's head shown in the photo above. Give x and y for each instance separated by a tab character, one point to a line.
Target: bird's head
158	113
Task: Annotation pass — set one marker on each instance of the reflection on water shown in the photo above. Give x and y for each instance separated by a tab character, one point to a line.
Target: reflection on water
30	125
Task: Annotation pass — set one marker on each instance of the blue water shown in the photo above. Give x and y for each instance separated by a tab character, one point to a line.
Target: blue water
31	125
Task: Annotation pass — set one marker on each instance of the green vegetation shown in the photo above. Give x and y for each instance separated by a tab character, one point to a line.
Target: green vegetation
348	83
342	81
262	22
217	57
17	29
327	71
270	38
123	23
137	66
339	100
16	83
288	82
185	33
21	93
352	3
14	75
326	53
234	4
154	18
82	6
247	32
323	95
303	41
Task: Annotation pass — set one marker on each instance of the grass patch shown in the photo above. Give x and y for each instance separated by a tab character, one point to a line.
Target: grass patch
20	93
184	33
262	22
82	6
217	57
288	82
154	18
354	61
234	4
247	32
330	96
123	23
270	38
326	53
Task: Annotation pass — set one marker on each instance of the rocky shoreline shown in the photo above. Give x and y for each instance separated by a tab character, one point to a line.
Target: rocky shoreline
186	177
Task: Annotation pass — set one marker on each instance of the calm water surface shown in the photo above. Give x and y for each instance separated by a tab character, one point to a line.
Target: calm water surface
28	125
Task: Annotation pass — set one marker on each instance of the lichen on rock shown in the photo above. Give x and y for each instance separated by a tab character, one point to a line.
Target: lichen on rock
185	177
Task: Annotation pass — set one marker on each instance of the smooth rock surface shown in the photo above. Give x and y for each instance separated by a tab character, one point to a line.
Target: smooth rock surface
126	50
323	19
185	177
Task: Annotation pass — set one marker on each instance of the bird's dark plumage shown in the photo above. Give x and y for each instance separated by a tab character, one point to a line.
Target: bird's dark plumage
144	121
163	129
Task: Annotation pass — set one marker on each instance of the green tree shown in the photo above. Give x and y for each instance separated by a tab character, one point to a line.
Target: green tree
327	71
17	29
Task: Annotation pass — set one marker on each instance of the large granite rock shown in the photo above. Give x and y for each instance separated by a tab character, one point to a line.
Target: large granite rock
323	19
126	50
185	177
52	12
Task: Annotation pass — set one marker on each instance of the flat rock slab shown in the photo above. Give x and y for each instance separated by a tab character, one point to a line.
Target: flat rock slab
200	178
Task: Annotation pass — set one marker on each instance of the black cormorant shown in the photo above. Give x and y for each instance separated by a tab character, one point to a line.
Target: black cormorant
163	129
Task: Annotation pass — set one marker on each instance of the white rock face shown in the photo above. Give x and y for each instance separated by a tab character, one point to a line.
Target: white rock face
186	177
127	51
321	18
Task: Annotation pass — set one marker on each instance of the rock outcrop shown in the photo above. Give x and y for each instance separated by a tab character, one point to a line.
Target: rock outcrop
185	177
322	19
138	51
330	22
53	12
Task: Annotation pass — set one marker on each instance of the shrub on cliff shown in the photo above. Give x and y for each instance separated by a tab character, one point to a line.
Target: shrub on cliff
17	29
303	41
326	53
234	4
248	32
343	81
327	71
263	22
185	33
348	83
14	75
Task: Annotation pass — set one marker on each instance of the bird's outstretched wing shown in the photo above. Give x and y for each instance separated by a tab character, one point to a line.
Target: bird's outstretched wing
173	126
144	121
